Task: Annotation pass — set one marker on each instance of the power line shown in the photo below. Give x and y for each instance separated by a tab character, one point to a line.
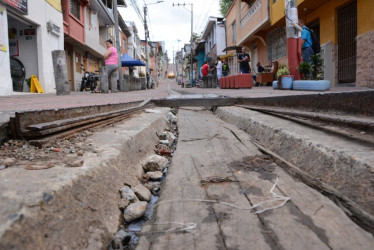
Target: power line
206	17
136	8
202	10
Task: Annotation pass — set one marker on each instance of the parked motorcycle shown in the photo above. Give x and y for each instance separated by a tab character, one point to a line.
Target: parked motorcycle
89	81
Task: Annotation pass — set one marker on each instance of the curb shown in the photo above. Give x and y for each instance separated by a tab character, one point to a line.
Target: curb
82	202
342	164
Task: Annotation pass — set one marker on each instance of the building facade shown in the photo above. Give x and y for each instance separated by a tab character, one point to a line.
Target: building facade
345	29
28	35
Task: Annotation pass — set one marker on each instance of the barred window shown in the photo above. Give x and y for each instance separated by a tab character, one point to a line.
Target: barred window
75	9
234	32
277	44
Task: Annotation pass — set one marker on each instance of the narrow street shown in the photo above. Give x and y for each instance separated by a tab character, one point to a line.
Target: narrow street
172	125
237	177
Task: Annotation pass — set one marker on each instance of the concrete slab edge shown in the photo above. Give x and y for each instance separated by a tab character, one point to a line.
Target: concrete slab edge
85	207
350	176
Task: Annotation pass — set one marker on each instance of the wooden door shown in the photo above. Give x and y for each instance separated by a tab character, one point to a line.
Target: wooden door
69	64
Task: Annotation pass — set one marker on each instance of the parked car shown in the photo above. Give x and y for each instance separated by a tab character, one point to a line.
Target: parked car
171	75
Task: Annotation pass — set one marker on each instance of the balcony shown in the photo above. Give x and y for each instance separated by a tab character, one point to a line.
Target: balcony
251	12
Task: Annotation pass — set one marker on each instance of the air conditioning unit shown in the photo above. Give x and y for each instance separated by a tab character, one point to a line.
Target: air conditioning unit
53	28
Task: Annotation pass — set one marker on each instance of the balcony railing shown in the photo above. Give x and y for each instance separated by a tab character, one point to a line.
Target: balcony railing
250	13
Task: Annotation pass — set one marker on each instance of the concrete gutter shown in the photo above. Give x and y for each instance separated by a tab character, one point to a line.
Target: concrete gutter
38	205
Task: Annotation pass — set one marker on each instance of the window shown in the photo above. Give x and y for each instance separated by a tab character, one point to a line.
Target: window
277	44
78	62
233	32
124	44
75	9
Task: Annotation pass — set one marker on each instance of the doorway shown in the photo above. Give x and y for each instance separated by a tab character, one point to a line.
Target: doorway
69	65
347	32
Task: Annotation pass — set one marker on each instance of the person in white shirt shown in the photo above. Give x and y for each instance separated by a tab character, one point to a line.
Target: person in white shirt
219	68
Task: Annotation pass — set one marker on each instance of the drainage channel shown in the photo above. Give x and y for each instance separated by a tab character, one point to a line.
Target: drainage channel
134	199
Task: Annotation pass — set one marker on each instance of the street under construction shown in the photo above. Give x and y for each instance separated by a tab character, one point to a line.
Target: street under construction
192	168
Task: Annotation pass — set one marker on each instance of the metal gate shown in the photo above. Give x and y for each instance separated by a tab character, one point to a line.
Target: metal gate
347	32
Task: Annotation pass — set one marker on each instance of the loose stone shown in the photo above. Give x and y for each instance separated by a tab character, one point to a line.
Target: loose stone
155	163
124	203
171	118
120	240
156	175
77	163
9	162
142	193
128	194
135	211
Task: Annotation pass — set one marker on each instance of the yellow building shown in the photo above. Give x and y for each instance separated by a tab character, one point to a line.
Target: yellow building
345	29
346	32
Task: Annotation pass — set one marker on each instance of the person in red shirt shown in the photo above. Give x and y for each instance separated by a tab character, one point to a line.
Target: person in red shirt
205	69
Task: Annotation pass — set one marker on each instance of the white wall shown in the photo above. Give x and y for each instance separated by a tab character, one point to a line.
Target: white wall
221	39
6	86
92	33
27	47
41	12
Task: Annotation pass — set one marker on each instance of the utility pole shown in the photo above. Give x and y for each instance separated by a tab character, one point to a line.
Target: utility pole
145	8
178	53
121	85
191	54
293	41
147	75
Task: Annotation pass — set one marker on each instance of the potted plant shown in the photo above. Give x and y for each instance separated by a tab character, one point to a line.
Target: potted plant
312	77
284	78
304	70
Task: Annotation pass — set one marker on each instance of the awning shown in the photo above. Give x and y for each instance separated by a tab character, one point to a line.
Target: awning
226	56
128	61
238	49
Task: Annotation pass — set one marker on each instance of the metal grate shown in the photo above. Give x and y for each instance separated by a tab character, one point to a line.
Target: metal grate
347	32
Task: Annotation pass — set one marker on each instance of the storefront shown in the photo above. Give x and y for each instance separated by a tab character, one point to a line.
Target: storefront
28	35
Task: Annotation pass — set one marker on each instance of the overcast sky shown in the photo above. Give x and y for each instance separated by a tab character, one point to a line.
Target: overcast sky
170	24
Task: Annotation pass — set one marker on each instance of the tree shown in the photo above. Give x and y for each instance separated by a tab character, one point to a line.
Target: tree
224	6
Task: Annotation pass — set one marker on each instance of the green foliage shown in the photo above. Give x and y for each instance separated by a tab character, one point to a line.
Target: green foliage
224	6
311	71
282	71
28	81
304	70
316	67
141	74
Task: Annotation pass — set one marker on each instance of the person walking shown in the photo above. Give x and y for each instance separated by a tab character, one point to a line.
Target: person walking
243	60
225	68
306	42
111	61
219	69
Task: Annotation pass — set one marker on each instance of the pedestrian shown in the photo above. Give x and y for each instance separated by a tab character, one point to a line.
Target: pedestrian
259	70
219	68
225	68
204	72
243	60
111	60
306	42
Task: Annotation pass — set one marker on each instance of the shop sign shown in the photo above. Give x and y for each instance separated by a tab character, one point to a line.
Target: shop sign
19	5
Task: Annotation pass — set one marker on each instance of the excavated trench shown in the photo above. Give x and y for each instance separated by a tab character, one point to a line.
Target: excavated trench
88	197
